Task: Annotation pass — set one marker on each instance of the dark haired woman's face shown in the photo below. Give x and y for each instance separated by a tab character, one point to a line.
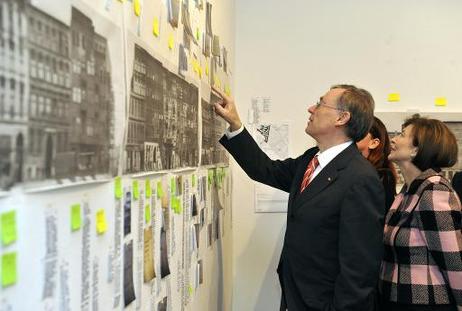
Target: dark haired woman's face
402	149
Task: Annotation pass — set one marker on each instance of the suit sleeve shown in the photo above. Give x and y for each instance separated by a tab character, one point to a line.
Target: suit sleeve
440	217
360	245
257	164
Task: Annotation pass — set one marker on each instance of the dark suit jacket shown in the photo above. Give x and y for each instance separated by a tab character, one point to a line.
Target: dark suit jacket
457	183
333	242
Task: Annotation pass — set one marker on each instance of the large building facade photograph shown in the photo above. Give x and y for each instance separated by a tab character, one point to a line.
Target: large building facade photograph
56	98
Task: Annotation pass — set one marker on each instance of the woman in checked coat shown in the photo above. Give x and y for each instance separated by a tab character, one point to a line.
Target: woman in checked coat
422	265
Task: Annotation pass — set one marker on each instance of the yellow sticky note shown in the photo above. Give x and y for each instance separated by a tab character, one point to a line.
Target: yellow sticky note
171	42
147	213
155	27
190	290
9	269
118	187
101	224
136	190
147	190
394	97
227	90
160	191
193	180
137	7
76	217
198	35
122	1
440	101
207	69
8	227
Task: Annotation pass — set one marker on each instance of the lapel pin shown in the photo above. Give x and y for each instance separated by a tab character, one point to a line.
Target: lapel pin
329	179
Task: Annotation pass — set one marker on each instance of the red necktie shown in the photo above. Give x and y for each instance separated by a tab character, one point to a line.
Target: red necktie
309	172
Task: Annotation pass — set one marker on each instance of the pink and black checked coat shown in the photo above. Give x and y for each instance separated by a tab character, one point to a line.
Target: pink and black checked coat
423	244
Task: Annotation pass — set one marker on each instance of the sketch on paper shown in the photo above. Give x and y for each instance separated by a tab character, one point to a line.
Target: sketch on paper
273	139
213	127
162	121
56	97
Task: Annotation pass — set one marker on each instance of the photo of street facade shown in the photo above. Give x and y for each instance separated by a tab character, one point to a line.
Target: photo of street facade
162	118
56	97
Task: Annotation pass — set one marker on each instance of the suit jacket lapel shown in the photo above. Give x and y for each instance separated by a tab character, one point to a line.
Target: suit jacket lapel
325	178
295	190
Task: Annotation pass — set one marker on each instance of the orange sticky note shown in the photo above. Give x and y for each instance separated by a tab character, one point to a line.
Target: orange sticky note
440	101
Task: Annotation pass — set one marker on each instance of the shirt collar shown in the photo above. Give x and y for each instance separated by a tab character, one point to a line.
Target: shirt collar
329	154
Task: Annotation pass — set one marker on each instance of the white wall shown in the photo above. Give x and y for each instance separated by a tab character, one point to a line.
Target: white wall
292	51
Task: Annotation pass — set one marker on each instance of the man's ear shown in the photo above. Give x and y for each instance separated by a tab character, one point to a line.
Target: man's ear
343	118
373	143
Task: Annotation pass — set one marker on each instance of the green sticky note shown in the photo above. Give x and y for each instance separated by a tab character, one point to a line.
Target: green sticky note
198	34
190	290
147	190
193	180
173	186
160	191
9	269
8	227
136	190
178	206
147	213
118	187
76	218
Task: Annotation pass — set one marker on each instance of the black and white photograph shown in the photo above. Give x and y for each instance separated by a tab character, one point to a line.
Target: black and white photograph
163	118
129	289
213	127
57	107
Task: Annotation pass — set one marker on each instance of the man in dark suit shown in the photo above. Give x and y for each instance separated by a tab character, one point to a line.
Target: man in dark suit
457	183
333	242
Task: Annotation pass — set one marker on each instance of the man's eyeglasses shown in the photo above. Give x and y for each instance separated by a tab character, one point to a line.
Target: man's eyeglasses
321	103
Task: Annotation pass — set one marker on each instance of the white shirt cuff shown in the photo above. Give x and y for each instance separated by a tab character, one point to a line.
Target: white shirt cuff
230	134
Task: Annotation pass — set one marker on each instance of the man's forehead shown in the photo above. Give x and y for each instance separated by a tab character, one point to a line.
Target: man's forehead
334	93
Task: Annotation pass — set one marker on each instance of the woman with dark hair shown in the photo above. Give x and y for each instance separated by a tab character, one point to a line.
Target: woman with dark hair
375	147
422	264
